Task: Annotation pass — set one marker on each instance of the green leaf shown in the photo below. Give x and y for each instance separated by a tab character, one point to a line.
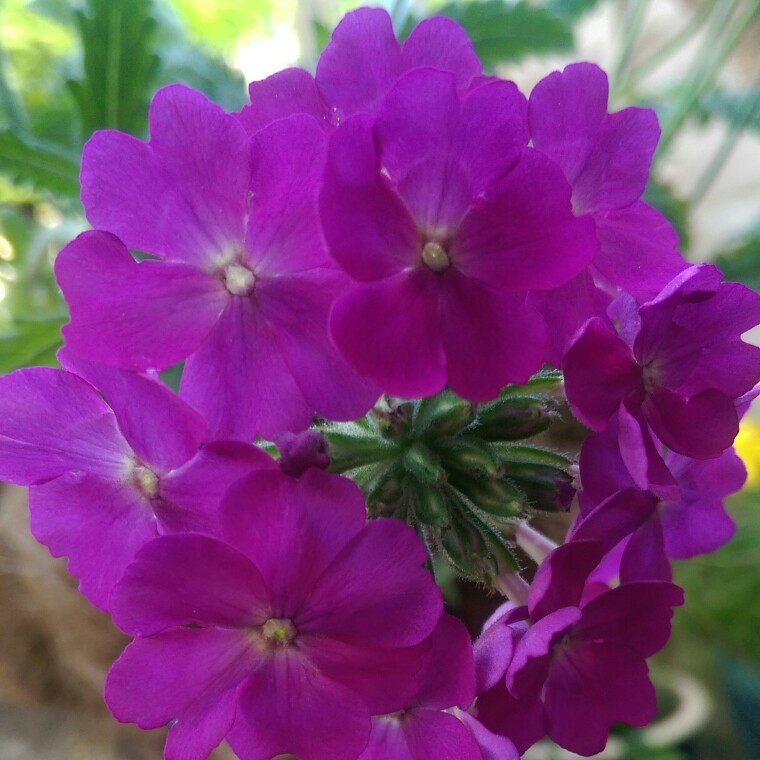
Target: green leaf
30	342
45	167
741	109
501	32
119	65
675	210
742	264
570	10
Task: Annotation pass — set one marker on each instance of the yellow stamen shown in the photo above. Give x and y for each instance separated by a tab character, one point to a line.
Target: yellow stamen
435	256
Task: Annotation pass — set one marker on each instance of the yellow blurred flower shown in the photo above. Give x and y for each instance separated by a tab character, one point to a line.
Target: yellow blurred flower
747	445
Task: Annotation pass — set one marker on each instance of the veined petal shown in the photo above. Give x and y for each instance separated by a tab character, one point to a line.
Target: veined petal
523	235
390	331
51	422
189	579
98	524
146	315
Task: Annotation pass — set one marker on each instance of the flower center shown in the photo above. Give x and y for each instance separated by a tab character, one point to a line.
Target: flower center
435	256
279	631
147	480
239	280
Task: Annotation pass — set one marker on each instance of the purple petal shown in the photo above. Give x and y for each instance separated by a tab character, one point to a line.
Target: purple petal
52	422
287	706
283	94
146	315
185	676
616	517
533	656
186	194
368	230
638	249
616	171
239	381
523	235
189	580
592	687
98	524
566	112
644	556
490	338
602	469
567	308
360	63
386	740
390	331
560	578
702	426
635	615
492	746
433	735
385	679
292	529
599	373
418	120
640	455
288	160
438	194
493	653
162	429
443	44
297	308
493	131
396	605
699	523
522	720
449	678
191	495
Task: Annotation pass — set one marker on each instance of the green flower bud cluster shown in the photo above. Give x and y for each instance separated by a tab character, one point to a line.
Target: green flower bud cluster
460	473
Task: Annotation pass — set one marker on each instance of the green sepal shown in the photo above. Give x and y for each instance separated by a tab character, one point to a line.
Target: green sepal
545	381
510	452
421	462
428	503
500	498
347	451
470	457
463	545
513	418
443	414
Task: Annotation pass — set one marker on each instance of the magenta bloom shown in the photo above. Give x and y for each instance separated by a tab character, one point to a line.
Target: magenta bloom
421	731
284	637
357	68
445	220
108	476
685	518
243	285
606	159
677	366
580	666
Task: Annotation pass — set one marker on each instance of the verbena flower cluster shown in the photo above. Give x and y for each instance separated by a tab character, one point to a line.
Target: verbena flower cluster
399	227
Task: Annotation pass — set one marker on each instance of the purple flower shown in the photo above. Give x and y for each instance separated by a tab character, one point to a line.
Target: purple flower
107	476
445	220
301	451
244	285
422	731
580	665
677	366
606	159
357	68
285	636
683	518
